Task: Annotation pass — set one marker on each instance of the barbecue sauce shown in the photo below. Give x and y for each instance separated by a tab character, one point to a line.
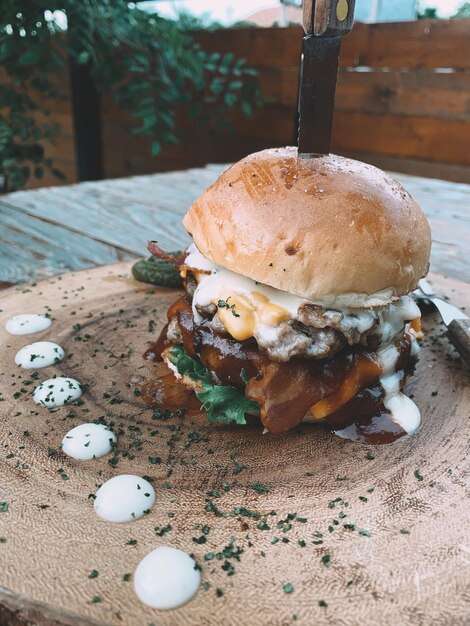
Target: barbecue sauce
285	391
164	391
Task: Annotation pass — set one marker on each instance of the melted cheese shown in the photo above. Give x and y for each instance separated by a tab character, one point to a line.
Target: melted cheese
363	372
247	312
255	308
366	371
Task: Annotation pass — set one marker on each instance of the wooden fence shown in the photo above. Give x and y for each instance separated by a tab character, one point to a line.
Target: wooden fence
403	102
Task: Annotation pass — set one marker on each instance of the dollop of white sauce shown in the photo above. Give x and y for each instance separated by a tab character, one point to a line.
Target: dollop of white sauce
124	498
39	354
166	578
88	441
27	324
58	391
220	283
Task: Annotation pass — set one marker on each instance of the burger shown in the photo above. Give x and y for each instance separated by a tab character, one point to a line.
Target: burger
297	301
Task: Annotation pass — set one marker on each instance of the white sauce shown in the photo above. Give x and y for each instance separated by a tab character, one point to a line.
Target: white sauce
88	441
58	391
166	578
403	410
39	354
221	283
124	498
27	324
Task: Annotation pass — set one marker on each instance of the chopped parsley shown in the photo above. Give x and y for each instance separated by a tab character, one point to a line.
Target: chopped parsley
223	304
260	488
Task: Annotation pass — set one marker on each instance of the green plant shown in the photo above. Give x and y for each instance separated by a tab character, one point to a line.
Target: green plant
150	65
429	13
463	10
25	45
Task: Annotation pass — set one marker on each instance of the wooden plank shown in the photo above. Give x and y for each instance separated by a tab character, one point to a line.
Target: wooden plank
411	136
418	44
421	44
414	167
127	225
152	207
426	93
32	248
420	93
194	149
261	47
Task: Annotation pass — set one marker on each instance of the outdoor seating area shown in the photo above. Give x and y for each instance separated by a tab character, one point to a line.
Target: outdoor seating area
234	312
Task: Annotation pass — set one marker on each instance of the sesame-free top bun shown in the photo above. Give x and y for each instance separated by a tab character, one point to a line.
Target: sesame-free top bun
328	229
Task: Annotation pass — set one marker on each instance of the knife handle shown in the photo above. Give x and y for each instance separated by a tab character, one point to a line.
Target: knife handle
459	334
328	18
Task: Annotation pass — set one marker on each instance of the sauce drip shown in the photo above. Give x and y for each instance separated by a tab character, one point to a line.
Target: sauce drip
164	391
378	429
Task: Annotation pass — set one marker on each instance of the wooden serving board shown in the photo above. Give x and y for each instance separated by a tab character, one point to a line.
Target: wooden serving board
409	565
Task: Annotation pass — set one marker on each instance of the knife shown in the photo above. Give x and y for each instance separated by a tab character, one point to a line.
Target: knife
458	324
324	22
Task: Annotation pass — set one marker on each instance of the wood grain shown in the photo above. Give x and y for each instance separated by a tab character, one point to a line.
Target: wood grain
459	332
51	230
411	136
421	44
32	248
412	496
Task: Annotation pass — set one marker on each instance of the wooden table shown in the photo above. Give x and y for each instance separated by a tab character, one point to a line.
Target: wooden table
409	560
55	229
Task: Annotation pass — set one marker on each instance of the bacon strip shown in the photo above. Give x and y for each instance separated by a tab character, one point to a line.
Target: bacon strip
158	252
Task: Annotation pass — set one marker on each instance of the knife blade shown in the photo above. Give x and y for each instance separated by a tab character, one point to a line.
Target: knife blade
324	22
457	322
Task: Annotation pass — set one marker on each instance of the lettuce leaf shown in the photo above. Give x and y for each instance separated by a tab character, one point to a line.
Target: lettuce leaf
222	403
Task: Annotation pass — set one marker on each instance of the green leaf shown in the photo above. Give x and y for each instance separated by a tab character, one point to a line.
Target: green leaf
58	173
187	366
155	148
222	403
31	56
83	57
230	99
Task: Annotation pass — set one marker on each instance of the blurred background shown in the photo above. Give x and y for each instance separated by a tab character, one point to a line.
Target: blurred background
103	88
